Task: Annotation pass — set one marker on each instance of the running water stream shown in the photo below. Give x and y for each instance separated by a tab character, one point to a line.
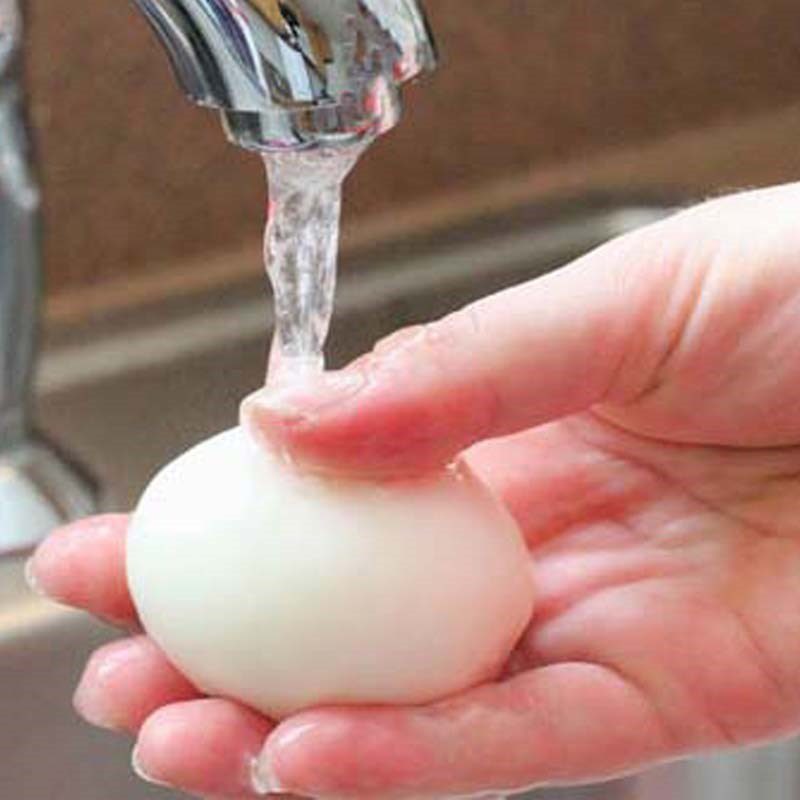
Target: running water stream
301	245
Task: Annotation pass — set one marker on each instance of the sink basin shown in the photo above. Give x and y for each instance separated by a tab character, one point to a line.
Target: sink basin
128	396
47	753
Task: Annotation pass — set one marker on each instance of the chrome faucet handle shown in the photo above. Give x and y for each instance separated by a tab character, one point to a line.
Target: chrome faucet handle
19	237
295	73
39	488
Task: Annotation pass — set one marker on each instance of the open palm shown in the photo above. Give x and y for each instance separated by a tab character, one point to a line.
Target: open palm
656	479
669	593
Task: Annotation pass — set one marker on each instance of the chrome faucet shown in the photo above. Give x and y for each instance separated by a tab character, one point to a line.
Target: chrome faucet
38	487
283	74
295	73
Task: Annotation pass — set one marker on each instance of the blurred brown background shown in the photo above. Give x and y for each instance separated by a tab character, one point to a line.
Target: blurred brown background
144	196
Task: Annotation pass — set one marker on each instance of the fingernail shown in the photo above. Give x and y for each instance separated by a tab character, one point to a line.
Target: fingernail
304	400
136	765
85	705
31	579
90	699
263	779
35	585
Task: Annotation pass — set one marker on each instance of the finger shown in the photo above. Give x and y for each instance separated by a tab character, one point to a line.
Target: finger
126	681
562	724
663	331
590	332
83	565
205	747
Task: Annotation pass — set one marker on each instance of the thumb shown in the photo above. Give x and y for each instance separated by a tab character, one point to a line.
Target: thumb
591	332
560	724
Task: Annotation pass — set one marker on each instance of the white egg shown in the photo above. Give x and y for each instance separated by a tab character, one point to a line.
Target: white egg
287	590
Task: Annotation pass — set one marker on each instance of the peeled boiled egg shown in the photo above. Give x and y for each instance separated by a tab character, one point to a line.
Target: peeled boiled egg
287	590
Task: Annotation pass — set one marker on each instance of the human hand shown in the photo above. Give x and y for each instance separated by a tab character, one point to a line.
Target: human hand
652	459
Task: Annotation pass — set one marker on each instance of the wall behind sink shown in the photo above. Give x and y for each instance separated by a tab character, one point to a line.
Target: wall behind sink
137	181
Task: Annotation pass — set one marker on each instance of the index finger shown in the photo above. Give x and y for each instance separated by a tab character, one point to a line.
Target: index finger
83	565
511	361
563	723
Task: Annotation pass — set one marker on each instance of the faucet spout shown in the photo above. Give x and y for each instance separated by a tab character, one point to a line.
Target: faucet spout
295	73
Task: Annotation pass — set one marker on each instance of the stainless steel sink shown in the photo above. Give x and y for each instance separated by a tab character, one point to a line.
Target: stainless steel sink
127	396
